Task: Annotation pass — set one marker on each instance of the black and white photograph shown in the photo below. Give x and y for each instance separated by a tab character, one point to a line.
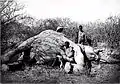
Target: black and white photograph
60	41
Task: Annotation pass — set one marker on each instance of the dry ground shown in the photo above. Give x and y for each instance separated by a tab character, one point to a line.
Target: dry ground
109	73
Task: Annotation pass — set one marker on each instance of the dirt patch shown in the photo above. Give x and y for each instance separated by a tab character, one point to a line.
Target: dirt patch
109	73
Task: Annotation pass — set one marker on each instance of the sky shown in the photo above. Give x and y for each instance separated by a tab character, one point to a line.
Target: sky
76	10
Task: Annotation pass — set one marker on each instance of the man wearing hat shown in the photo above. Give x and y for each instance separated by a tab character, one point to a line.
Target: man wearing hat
59	29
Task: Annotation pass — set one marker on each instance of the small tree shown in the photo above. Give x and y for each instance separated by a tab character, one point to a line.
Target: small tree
9	9
9	12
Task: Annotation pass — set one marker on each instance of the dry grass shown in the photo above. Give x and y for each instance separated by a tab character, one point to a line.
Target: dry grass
109	73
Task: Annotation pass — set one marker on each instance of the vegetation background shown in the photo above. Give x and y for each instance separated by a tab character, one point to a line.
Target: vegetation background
16	27
19	27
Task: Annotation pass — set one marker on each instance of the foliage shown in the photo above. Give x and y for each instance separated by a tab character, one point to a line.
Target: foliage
16	27
9	14
9	11
106	32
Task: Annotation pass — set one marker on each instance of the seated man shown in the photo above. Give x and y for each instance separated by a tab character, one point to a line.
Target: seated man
68	54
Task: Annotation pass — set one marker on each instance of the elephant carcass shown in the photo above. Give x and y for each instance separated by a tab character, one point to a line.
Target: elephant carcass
46	44
49	42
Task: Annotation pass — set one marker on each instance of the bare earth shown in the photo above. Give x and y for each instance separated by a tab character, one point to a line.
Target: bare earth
109	73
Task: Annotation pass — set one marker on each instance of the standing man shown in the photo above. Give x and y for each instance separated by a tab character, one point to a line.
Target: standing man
81	36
